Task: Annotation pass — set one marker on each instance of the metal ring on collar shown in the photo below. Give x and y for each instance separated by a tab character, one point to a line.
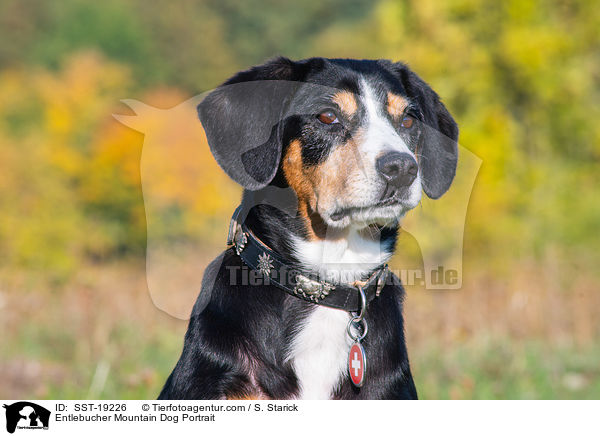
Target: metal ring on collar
365	328
363	304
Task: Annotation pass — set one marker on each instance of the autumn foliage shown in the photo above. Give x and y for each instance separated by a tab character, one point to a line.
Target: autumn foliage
101	154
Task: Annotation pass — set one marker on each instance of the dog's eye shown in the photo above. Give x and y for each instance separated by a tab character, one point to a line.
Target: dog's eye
407	122
327	117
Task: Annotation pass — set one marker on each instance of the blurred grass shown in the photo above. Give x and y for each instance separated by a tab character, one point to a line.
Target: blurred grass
102	337
87	342
487	368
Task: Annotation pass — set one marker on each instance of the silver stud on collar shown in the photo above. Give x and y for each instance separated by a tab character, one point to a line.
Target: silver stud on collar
236	236
265	264
240	240
381	279
312	289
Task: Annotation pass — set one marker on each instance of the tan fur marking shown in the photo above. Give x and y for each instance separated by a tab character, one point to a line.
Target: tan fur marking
248	397
334	174
324	185
396	105
324	181
294	173
346	101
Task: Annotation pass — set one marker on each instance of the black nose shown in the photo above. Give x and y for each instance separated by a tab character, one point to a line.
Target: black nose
398	169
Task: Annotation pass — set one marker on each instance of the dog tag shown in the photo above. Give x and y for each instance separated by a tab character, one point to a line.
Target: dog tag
357	364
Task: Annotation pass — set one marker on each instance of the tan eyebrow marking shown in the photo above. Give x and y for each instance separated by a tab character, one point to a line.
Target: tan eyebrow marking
396	104
346	101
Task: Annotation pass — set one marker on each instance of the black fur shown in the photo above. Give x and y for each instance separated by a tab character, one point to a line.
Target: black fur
438	148
260	321
239	335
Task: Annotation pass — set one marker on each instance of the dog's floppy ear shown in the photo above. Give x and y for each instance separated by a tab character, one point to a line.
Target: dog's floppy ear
438	150
241	119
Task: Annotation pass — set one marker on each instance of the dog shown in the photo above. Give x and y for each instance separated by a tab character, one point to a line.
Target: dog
350	145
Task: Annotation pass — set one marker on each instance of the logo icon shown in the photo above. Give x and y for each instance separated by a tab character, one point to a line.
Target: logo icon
26	415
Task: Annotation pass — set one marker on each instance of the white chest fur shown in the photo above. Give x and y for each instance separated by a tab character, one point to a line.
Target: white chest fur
320	349
319	352
342	260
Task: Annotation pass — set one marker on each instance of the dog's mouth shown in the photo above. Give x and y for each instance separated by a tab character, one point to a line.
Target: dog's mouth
340	214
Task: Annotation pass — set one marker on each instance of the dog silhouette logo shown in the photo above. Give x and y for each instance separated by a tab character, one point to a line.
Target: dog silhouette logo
26	415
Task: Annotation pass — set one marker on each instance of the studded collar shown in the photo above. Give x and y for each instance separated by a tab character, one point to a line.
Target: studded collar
281	273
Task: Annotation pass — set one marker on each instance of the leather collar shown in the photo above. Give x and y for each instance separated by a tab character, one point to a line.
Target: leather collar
277	271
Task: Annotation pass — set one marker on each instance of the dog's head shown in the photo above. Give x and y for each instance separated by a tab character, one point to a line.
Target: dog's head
356	140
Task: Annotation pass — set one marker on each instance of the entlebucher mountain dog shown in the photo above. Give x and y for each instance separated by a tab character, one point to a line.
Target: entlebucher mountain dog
331	154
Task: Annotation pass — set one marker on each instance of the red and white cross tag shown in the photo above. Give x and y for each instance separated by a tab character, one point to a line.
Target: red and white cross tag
357	364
